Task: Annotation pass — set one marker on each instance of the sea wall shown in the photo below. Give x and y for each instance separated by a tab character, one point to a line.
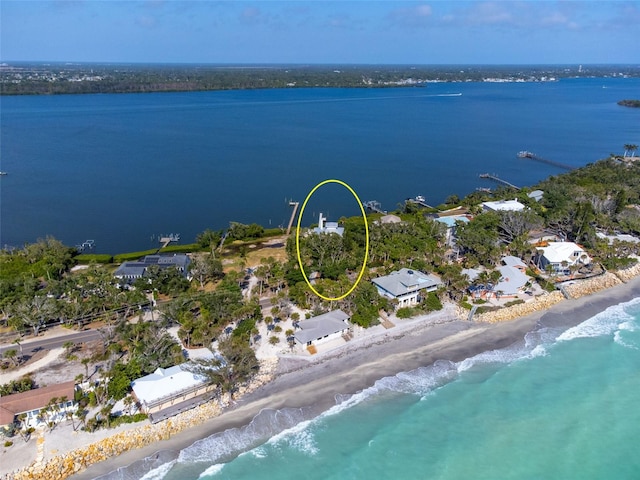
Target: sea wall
592	285
575	290
628	273
505	314
64	465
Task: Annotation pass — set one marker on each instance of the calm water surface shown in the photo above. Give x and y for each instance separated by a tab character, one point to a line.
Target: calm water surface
121	169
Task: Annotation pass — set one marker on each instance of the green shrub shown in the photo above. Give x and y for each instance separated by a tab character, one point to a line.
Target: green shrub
102	258
405	312
466	305
479	301
138	417
8	443
514	302
432	302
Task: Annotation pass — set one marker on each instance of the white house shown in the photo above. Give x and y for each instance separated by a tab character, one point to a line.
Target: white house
32	402
503	206
168	386
405	285
557	253
322	328
327	227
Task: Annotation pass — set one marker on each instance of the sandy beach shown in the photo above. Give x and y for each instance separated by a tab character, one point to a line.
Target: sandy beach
316	383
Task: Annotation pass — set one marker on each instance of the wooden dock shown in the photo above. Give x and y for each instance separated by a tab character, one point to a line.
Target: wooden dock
419	202
293	215
374	206
495	178
533	156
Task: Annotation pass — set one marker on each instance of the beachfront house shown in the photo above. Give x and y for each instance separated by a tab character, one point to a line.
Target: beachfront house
131	271
323	328
503	206
405	285
167	387
327	227
560	257
513	279
37	406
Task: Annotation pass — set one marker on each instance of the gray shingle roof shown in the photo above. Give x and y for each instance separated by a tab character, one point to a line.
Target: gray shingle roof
404	281
325	324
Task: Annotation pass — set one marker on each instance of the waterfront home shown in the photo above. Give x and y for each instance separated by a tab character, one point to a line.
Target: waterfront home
168	386
503	206
515	262
536	195
561	256
451	223
327	227
405	285
34	403
323	328
512	281
133	270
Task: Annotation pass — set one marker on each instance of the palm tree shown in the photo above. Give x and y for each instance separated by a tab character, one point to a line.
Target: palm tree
630	148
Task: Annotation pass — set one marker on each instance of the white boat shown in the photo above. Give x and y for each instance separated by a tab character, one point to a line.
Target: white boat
420	198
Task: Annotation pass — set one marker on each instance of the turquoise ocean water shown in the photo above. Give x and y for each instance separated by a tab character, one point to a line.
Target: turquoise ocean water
561	405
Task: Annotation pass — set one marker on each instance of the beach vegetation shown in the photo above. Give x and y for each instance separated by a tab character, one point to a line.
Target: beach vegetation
23	384
432	303
87	258
407	312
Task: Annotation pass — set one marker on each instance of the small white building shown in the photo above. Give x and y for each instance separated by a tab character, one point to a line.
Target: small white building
405	285
561	256
323	328
327	227
503	206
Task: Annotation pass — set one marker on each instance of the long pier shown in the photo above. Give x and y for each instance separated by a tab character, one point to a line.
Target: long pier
495	178
533	156
419	202
374	206
293	215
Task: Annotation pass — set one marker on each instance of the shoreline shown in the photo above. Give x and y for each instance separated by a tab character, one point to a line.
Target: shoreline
315	385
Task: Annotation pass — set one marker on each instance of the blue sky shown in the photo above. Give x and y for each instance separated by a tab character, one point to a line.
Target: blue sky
361	31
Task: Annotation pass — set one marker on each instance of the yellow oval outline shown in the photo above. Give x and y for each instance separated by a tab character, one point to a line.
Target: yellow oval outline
366	228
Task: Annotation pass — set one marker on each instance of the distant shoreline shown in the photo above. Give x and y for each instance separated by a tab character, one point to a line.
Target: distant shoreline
315	386
40	78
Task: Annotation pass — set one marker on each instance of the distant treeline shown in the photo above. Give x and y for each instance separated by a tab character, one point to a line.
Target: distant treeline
44	79
630	103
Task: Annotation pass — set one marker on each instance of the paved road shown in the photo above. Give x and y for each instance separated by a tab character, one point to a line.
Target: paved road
30	346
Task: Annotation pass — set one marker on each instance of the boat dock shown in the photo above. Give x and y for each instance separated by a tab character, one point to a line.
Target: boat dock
533	156
166	240
374	206
495	178
293	214
419	200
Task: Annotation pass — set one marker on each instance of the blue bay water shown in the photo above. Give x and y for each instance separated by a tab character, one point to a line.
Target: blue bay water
121	169
560	405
